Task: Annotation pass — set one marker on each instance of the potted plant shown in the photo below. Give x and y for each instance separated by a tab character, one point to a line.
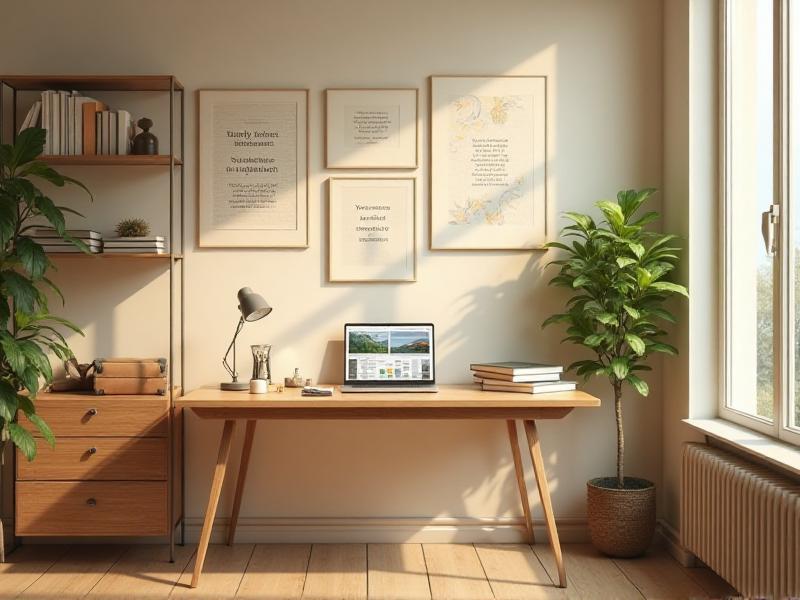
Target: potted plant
28	331
616	271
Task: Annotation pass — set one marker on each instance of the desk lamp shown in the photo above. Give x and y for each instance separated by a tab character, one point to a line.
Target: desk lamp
253	307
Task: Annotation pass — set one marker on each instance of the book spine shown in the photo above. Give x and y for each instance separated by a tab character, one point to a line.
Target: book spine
112	133
62	123
56	123
88	128
45	120
70	125
123	132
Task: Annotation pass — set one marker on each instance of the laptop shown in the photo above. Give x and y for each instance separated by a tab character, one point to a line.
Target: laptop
389	357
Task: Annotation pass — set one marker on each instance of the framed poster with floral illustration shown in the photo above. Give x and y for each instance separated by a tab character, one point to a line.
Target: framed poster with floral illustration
371	128
253	168
488	163
372	229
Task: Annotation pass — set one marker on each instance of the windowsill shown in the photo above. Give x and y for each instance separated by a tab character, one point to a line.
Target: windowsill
751	442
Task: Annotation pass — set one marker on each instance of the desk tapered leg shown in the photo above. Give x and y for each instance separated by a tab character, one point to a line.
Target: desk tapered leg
544	495
249	434
213	498
523	489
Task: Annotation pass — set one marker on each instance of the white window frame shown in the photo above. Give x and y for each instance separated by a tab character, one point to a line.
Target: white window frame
783	325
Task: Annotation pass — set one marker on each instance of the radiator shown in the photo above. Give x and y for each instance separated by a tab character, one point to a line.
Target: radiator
742	520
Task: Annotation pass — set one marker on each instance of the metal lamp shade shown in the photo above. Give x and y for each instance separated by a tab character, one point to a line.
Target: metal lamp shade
252	305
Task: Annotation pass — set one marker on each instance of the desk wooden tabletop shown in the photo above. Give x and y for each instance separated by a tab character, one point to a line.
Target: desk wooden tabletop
448	396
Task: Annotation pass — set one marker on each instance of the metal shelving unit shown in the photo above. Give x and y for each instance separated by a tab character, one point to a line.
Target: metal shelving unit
10	88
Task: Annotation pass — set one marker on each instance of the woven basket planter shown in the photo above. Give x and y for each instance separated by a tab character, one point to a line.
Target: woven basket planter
621	521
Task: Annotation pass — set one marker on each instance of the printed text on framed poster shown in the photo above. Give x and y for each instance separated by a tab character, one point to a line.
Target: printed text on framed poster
253	189
372	227
371	128
488	163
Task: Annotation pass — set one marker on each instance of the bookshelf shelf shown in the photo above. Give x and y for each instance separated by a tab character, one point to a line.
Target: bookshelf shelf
94	83
112	160
113	255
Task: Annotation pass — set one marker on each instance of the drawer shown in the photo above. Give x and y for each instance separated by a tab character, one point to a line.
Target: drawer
89	508
122	416
98	458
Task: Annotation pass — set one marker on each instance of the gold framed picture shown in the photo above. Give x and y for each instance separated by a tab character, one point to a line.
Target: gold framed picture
371	128
253	168
488	163
372	229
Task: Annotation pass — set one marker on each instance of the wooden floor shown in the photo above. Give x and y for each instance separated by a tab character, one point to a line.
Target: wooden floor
348	571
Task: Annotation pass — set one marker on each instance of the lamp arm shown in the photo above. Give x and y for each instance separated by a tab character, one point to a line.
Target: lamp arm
232	370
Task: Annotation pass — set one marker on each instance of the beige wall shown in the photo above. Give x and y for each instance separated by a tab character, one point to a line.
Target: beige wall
321	480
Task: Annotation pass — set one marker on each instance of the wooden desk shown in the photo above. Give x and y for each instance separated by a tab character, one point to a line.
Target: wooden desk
451	402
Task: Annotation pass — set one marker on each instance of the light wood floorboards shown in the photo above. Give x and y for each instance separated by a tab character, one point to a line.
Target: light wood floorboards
349	572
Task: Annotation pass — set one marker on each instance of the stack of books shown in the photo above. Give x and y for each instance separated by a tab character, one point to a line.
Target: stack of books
522	377
77	124
135	245
52	243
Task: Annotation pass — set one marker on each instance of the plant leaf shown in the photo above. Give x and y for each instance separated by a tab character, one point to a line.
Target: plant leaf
560	318
50	212
12	353
28	145
636	343
607	319
594	340
638	384
43	428
635	314
624	261
619	366
662	347
32	256
21	289
23	440
668	286
8	220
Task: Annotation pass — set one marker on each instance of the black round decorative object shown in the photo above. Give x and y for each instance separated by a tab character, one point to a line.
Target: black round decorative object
145	142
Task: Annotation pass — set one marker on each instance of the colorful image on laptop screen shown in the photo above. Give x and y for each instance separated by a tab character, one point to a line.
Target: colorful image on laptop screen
389	353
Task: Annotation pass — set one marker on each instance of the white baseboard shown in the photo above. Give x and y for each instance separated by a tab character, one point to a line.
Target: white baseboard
385	530
672	540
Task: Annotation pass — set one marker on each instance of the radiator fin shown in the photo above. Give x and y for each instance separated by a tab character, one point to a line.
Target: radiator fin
742	520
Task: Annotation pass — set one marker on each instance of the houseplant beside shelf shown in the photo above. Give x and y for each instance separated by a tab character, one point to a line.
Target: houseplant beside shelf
28	331
617	272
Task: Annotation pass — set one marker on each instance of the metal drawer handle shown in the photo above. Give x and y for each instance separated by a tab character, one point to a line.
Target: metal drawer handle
92	450
91	502
92	412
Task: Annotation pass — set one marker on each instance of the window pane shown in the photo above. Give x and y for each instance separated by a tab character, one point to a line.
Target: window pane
750	171
794	205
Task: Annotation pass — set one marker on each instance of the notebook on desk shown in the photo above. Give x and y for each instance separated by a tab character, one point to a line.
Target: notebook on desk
389	357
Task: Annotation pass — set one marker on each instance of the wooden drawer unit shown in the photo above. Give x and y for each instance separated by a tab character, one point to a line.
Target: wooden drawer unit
113	416
140	459
84	508
109	472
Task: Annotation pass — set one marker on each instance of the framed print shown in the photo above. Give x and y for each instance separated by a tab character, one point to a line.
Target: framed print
253	168
371	128
488	163
372	229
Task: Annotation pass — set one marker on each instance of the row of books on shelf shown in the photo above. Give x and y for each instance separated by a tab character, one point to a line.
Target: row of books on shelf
522	377
77	124
52	243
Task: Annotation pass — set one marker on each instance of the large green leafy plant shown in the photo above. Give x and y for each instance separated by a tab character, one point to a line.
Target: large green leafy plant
617	271
28	331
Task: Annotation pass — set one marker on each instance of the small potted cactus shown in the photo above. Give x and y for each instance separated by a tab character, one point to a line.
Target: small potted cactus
132	228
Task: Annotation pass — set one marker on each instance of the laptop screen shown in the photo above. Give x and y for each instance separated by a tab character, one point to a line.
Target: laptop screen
388	353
